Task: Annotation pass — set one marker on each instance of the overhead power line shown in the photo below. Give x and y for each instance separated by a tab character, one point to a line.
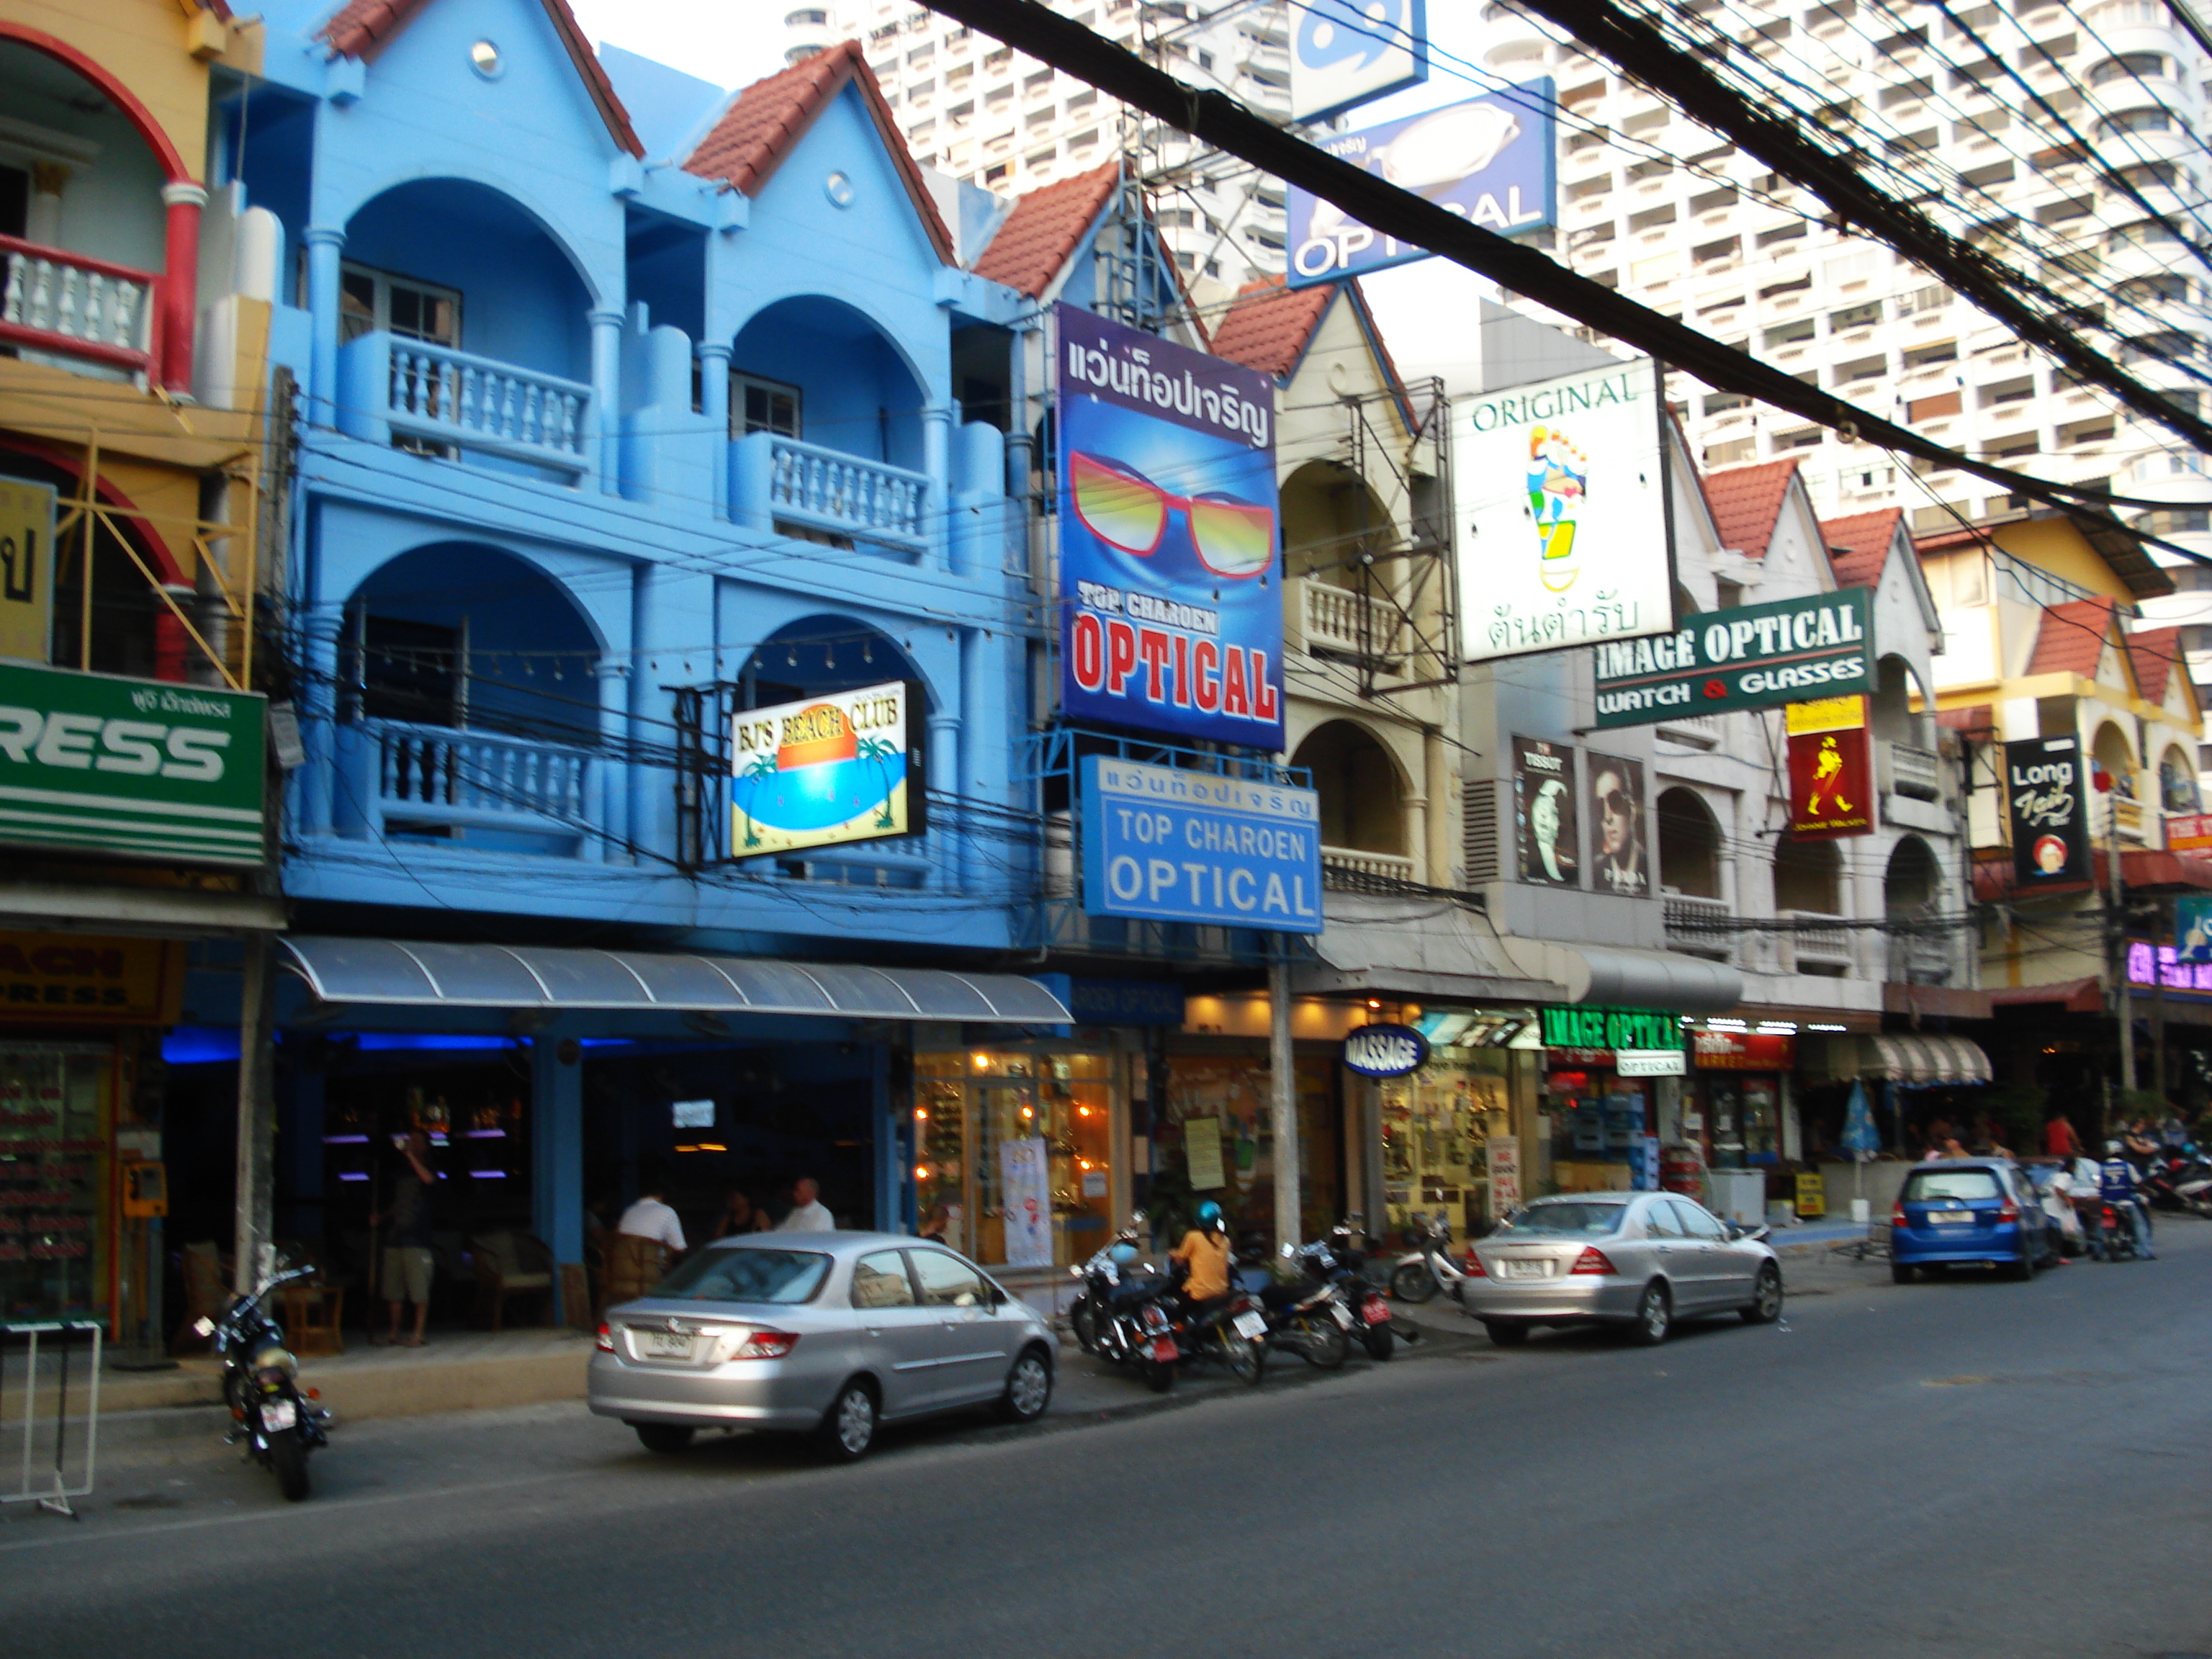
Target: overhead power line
1220	120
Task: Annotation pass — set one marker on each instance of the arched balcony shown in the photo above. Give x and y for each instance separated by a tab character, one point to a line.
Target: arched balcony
2178	788
2114	757
1808	895
471	708
1339	544
1904	761
1363	831
131	630
463	331
99	221
1911	894
1692	875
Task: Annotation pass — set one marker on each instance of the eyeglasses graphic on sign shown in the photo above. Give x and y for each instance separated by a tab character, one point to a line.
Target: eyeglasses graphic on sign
1127	511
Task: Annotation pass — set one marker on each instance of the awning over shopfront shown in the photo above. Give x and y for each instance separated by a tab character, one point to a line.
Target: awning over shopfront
1904	1059
1415	948
1619	976
390	973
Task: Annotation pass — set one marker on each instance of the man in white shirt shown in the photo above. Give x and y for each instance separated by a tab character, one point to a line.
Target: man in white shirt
809	1214
651	1217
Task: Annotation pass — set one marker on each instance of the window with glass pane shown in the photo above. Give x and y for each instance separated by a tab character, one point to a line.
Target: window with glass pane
880	1281
761	405
53	1179
370	300
946	1282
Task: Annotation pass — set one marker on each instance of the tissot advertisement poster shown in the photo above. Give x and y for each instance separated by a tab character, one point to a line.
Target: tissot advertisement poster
1620	859
1830	768
1171	579
1544	812
2047	803
844	766
1562	495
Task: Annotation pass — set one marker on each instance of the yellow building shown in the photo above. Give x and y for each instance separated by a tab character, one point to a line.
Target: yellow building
134	534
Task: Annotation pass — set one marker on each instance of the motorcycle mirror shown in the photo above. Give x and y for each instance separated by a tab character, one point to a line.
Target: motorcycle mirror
1286	1250
1137	1217
203	1326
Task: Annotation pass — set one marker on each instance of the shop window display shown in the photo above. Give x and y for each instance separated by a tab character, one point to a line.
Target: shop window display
55	1100
1213	1139
999	1131
1598	1119
1437	1124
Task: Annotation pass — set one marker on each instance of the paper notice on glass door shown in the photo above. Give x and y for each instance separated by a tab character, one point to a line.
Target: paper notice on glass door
1201	1152
1025	1178
1504	1175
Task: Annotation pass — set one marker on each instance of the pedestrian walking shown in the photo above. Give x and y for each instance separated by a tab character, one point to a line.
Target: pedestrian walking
2059	1140
408	1265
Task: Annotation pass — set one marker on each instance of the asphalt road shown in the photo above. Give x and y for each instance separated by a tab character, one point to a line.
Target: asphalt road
1965	1468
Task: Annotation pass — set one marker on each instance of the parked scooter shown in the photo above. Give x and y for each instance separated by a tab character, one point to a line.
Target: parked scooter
1123	1314
1340	1259
276	1420
2176	1180
1308	1314
1429	1267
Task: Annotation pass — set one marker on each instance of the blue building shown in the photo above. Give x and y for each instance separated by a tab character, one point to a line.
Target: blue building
614	428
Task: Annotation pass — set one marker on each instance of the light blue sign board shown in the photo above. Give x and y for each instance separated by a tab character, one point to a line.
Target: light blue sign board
1349	52
1162	844
1491	159
2192	927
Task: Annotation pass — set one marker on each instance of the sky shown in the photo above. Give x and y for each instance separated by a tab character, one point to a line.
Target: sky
1420	306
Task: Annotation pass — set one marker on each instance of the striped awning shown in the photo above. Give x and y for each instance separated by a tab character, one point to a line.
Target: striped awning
1922	1060
391	972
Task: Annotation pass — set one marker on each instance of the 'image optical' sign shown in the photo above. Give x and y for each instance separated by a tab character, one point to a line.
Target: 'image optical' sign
1754	656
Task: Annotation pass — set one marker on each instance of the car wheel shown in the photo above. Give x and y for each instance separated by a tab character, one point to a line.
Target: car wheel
1902	1272
1506	1335
1655	1316
1765	1297
848	1427
667	1438
1029	1389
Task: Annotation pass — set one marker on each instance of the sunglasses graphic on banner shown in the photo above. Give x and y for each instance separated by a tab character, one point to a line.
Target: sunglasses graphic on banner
1130	513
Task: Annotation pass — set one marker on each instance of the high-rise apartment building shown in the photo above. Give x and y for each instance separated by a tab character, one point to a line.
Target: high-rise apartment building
2074	137
989	115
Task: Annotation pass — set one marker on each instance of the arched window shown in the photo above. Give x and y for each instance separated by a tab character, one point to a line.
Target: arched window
1913	881
1361	808
1809	876
2114	753
1689	845
2178	790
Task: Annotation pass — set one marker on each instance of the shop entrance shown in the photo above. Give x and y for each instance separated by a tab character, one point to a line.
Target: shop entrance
1013	1153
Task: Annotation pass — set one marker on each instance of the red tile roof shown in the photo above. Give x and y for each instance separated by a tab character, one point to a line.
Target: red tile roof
1974	717
362	28
1034	240
2072	638
1859	543
1269	324
2155	652
769	117
1746	502
1950	541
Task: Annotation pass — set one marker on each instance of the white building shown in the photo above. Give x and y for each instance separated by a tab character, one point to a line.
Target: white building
1675	217
988	115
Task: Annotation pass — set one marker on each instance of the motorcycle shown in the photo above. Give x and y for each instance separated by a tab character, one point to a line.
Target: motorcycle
275	1420
2112	1238
1429	1267
1123	1314
1231	1329
1340	1259
2172	1181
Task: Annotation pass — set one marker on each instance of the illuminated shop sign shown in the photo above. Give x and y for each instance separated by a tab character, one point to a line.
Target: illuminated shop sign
845	766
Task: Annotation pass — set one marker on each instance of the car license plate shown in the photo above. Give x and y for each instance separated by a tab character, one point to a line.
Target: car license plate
1342	1314
279	1414
1950	1217
1249	1326
664	1345
1163	1350
1511	1269
1375	1310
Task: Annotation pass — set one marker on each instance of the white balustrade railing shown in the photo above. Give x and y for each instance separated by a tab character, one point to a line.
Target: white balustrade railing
1817	936
1338	619
430	395
439	776
1690	926
1351	862
1914	771
1697	731
64	303
827	489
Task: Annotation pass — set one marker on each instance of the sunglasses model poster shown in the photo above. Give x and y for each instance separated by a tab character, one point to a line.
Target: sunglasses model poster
1170	589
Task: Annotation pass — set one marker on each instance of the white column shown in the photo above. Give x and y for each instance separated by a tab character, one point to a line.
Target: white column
1284	1105
606	397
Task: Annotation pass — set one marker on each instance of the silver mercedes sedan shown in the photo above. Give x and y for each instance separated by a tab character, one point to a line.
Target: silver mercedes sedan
1641	1260
823	1333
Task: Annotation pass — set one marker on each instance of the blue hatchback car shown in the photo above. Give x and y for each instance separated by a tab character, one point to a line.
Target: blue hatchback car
1959	1211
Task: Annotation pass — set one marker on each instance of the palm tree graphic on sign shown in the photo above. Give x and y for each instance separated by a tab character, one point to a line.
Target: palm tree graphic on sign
881	754
762	767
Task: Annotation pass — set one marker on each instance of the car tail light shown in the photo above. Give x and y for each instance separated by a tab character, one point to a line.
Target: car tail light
1899	1218
2008	1211
1592	1260
606	1342
1474	1267
766	1344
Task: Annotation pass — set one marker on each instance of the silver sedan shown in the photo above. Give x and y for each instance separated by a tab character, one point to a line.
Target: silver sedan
1641	1260
826	1334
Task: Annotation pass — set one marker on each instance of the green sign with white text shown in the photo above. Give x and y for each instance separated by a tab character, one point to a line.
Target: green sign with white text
94	763
1754	656
1611	1028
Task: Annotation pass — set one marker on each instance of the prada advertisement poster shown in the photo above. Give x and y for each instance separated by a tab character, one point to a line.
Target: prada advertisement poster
1618	858
1545	836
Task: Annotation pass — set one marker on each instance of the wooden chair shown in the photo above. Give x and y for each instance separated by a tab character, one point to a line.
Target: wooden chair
634	1266
313	1313
508	1265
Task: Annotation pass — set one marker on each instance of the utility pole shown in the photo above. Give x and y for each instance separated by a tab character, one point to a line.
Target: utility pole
1283	1115
2116	917
2165	931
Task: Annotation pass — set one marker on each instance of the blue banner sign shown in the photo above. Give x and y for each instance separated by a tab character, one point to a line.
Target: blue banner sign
1348	52
1490	159
1170	591
1162	844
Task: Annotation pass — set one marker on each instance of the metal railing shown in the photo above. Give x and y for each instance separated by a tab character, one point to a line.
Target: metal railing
438	777
1338	619
65	303
786	481
1348	861
44	1473
394	388
1690	926
1810	941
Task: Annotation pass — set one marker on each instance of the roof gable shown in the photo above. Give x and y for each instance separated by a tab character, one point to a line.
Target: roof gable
1746	502
2076	638
765	122
1269	324
362	28
1859	545
1040	235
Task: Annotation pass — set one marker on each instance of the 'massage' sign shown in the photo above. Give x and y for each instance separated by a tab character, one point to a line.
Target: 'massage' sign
1754	656
1384	1050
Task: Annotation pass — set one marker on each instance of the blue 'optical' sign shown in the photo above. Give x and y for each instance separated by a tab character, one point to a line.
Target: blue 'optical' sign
1161	844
